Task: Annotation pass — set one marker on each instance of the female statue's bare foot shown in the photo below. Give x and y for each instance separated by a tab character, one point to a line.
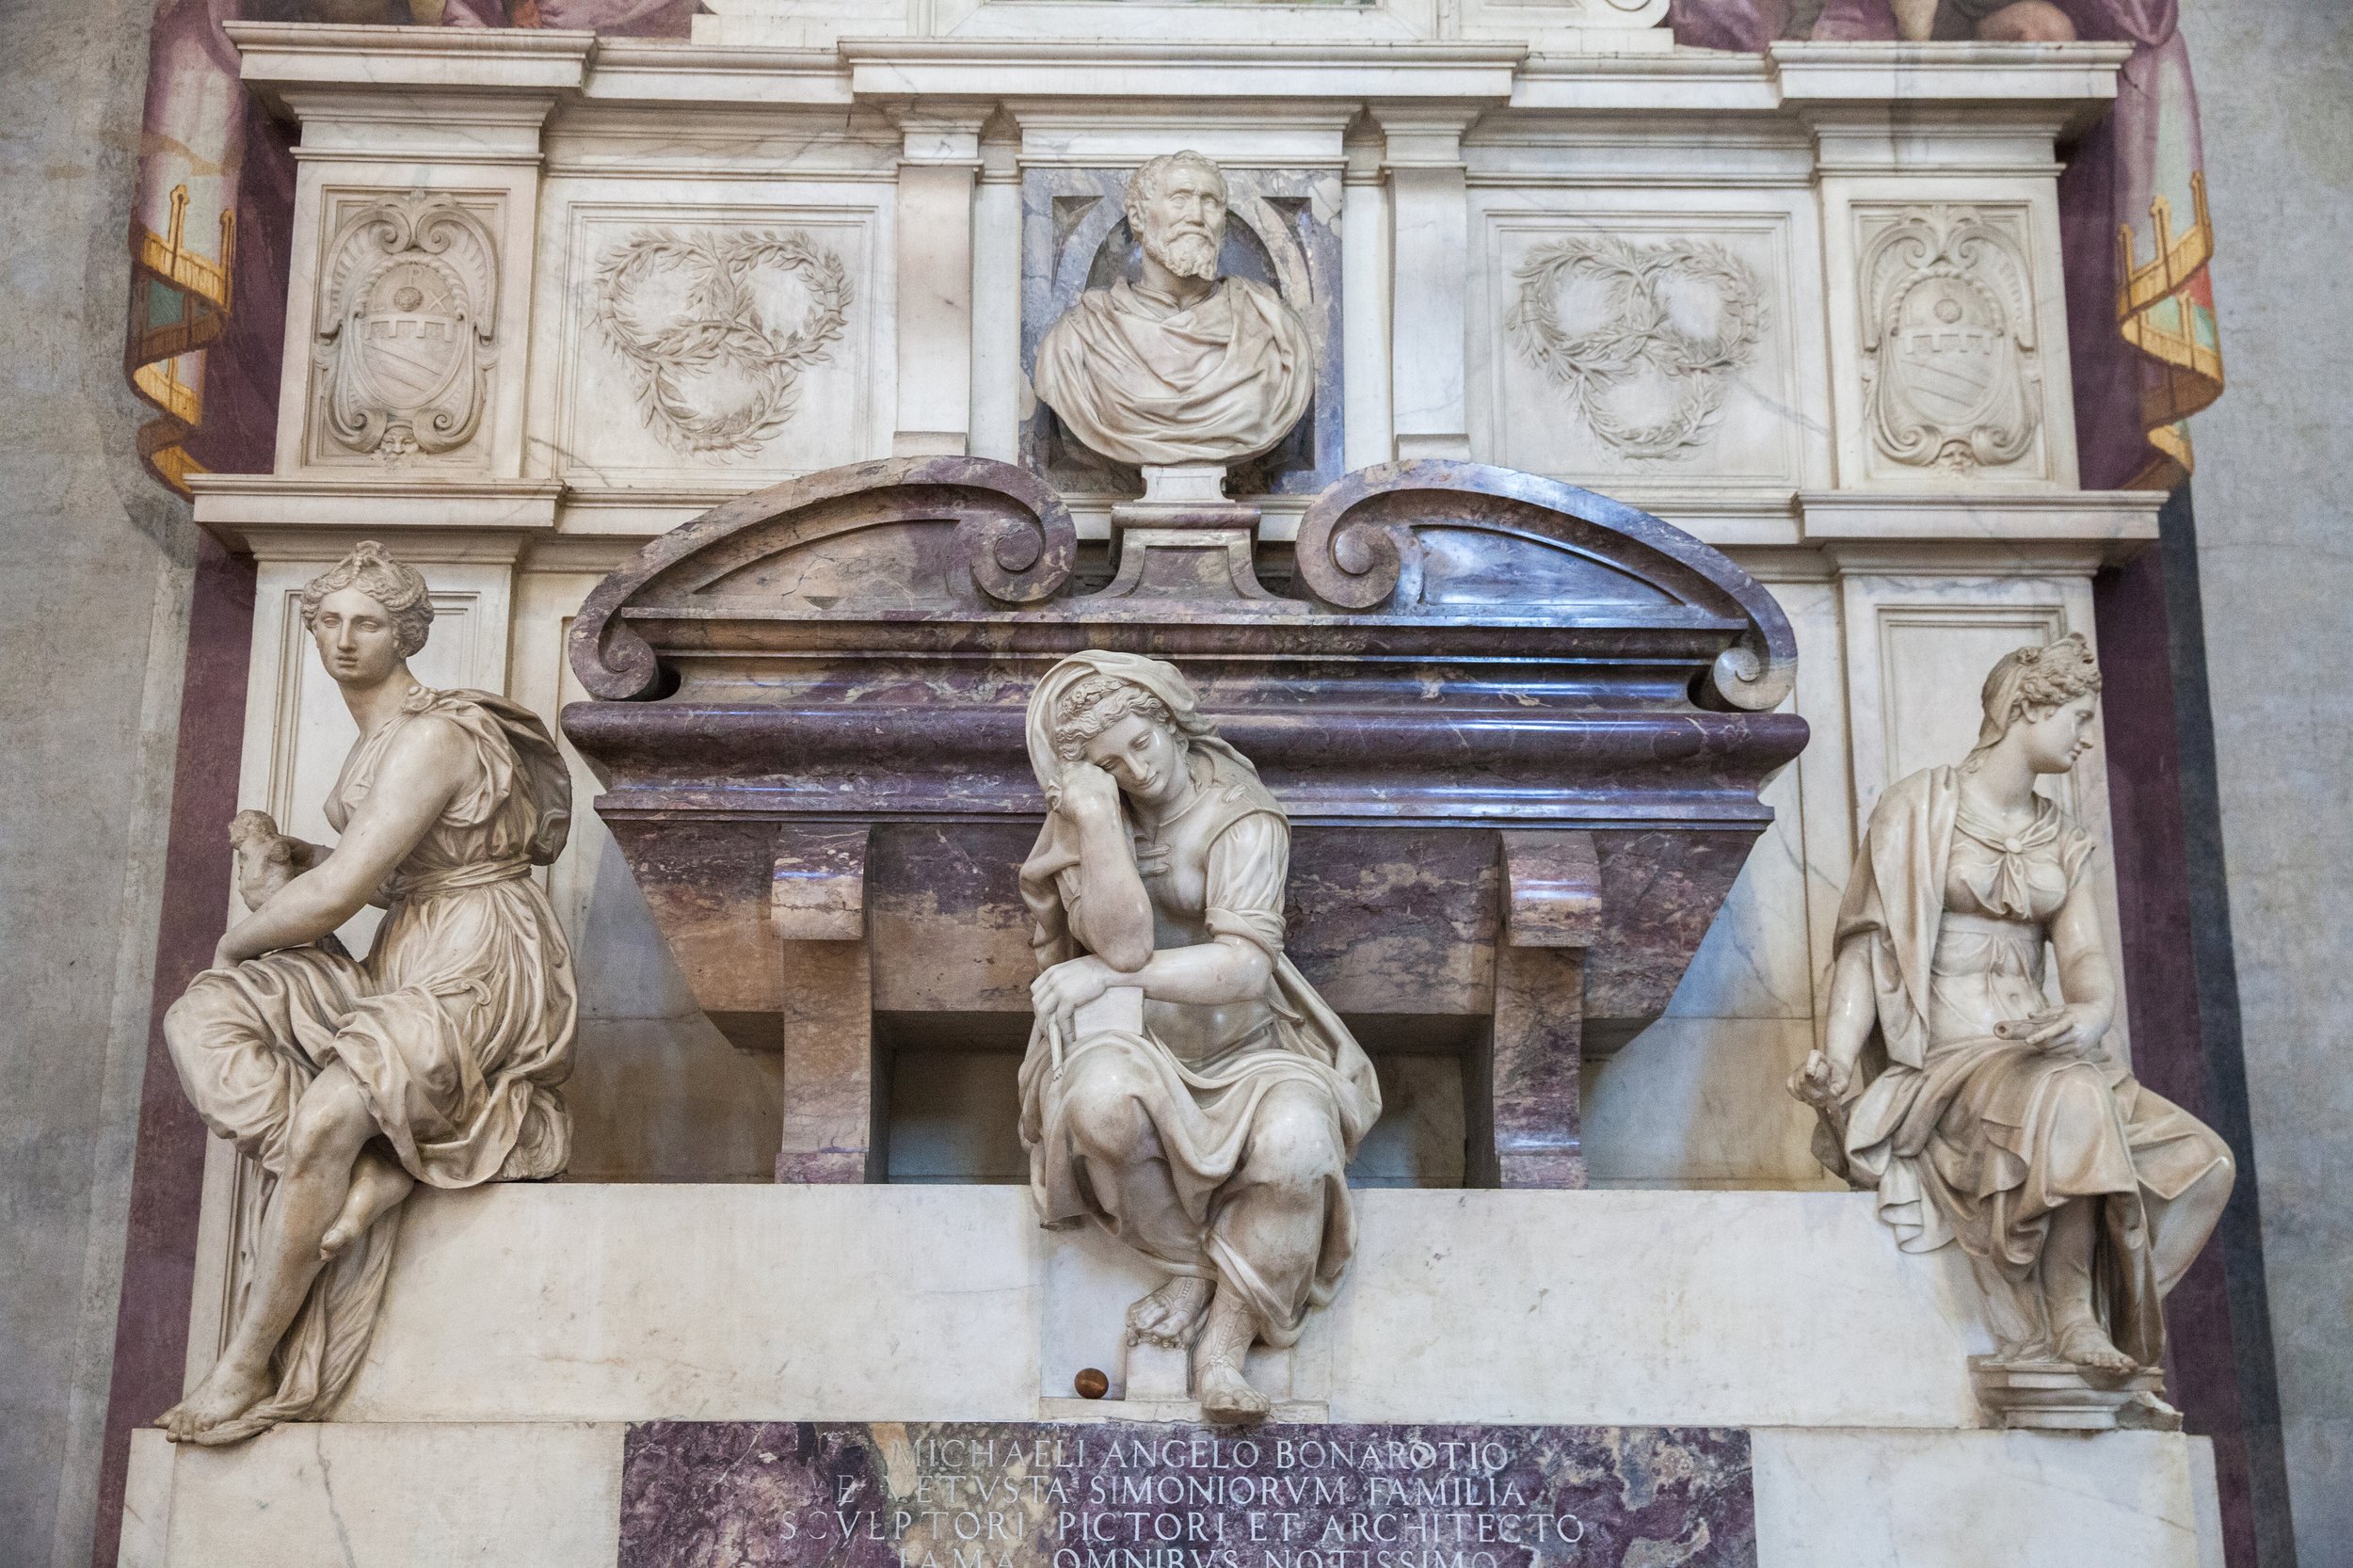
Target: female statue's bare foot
228	1391
376	1184
1171	1315
2083	1343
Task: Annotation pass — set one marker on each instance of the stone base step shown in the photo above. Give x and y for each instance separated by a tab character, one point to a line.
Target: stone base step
442	1495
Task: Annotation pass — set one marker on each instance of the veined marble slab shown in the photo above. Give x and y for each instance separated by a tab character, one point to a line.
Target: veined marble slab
949	1303
1028	1494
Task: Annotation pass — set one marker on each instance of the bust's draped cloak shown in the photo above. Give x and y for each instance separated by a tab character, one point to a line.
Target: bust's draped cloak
1202	1112
1142	380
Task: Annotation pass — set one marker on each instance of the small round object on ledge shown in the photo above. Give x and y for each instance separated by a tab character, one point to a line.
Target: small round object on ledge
1091	1382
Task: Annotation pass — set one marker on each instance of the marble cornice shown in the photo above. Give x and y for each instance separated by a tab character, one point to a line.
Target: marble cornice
2046	72
301	516
1814	534
1079	68
1962	106
2123	517
667	70
364	57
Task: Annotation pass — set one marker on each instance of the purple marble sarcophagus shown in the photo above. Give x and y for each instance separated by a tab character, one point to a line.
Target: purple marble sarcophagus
1519	730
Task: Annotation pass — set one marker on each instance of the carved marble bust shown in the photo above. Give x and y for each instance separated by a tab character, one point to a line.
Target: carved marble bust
1181	366
1211	1128
436	1058
1981	1113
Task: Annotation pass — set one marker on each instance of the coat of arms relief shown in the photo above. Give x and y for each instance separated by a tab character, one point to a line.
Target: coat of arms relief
410	333
1952	373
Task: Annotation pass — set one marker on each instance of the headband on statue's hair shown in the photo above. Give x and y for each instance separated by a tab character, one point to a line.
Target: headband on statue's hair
2044	677
1154	676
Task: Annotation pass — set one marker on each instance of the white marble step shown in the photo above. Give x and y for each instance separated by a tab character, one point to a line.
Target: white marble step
628	1303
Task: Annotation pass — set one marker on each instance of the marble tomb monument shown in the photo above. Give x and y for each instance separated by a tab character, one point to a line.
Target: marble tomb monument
1251	1024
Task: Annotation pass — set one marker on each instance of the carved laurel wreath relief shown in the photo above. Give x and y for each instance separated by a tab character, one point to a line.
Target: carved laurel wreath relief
410	332
718	328
1644	339
1951	373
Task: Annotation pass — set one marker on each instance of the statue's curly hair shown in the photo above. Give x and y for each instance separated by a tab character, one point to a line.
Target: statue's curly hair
1096	703
401	589
2036	680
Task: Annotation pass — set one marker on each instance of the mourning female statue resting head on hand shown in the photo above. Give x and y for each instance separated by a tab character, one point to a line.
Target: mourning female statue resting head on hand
1983	1113
436	1059
1215	1138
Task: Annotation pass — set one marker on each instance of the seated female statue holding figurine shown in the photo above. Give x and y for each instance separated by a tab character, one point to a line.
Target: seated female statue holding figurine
436	1058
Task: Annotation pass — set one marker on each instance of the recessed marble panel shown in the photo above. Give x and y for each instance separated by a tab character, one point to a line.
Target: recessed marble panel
1418	1140
717	343
1125	1495
669	1099
1283	230
1966	1499
1753	961
1701	1102
956	1116
1641	345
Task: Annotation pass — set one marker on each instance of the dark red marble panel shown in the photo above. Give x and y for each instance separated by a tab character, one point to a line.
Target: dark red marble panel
1117	1494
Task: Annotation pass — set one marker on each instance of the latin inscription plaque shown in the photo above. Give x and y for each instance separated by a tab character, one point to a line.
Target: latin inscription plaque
1114	1494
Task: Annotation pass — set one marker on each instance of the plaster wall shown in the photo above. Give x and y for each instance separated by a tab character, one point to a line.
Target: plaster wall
2276	573
97	562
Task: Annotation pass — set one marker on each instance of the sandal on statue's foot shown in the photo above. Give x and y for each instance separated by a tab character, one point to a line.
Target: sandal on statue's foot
1171	1315
1227	1396
1218	1384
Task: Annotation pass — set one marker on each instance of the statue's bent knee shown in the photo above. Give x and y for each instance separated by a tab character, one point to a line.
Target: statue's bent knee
1105	1103
1293	1143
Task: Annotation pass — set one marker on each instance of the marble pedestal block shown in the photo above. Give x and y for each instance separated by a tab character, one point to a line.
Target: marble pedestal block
527	1328
950	1304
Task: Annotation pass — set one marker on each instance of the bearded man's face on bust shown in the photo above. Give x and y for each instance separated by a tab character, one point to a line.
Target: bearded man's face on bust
1181	224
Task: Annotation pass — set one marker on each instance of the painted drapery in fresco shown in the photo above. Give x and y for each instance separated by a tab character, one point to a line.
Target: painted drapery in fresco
2132	216
210	224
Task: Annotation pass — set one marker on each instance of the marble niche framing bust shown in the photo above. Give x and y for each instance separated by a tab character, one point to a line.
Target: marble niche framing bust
1983	1114
436	1058
1180	367
1214	1138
